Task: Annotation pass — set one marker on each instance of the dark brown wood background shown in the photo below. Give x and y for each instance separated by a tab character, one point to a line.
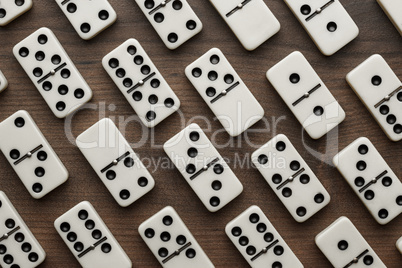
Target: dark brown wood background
377	35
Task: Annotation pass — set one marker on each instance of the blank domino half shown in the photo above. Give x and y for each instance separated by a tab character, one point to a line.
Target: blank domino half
399	244
250	20
3	82
393	10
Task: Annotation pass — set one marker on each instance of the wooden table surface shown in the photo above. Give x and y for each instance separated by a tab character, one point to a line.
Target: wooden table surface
377	35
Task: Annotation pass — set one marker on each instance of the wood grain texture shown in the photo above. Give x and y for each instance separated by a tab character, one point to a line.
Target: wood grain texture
377	35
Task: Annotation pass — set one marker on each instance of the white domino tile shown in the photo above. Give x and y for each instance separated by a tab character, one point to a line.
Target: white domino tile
378	87
141	83
30	155
224	92
371	179
290	178
203	167
89	239
306	95
115	162
52	72
259	242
